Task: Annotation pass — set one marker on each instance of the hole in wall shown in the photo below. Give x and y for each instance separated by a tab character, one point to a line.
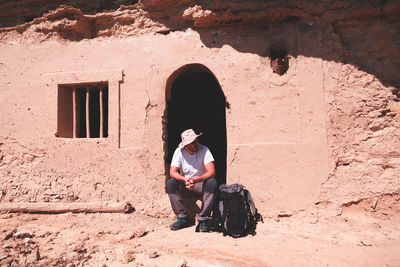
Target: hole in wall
195	100
279	59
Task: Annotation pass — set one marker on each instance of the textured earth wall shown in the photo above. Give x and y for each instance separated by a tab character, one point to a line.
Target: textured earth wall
360	53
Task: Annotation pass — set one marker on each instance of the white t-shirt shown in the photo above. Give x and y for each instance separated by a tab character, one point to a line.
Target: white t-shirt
192	165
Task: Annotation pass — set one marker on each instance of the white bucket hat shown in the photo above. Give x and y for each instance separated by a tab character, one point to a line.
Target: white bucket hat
188	136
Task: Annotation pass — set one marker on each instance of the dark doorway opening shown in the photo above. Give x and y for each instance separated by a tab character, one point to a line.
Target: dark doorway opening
195	100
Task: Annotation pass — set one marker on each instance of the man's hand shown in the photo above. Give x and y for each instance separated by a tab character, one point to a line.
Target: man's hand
189	183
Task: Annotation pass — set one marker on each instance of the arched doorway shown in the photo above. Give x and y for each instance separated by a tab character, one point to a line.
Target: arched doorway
195	100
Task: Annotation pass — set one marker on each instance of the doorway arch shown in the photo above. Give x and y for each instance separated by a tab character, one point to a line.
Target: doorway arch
194	99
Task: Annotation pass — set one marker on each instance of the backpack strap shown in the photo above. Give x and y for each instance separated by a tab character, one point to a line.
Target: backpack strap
253	209
249	199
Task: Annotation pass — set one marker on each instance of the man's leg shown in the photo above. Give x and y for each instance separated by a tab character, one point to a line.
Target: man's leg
209	189
174	190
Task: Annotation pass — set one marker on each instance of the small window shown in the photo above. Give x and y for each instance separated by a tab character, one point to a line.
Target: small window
83	110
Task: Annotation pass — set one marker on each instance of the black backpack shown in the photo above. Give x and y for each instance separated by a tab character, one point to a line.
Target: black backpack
234	212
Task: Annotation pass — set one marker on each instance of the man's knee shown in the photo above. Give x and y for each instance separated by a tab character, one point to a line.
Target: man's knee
210	185
172	186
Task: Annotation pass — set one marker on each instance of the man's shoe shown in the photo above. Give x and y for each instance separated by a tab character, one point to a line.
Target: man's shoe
179	224
202	227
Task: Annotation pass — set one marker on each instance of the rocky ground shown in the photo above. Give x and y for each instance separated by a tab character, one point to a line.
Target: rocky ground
140	240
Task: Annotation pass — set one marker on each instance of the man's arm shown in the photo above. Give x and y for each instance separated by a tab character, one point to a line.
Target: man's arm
210	173
174	173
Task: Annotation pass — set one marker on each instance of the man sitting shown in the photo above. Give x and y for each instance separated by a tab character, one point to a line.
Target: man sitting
192	170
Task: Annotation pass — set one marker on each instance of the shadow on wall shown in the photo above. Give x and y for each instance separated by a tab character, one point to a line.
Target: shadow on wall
195	100
372	45
363	34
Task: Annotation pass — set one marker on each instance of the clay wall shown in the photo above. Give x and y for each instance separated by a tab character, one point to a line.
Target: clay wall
323	136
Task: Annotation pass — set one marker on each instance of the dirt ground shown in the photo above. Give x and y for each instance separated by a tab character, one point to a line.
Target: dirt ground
100	239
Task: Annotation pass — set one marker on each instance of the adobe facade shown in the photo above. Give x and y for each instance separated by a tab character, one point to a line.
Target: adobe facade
321	137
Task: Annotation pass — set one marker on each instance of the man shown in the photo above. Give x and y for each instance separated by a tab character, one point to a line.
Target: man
192	171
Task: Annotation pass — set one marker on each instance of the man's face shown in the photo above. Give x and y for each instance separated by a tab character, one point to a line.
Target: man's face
192	147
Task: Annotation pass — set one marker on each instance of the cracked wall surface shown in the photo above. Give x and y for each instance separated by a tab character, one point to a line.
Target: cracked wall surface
320	136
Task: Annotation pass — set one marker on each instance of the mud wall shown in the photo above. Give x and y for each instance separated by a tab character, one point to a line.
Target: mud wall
323	136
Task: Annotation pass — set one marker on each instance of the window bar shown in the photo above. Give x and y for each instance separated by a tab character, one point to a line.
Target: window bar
101	112
87	114
74	114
